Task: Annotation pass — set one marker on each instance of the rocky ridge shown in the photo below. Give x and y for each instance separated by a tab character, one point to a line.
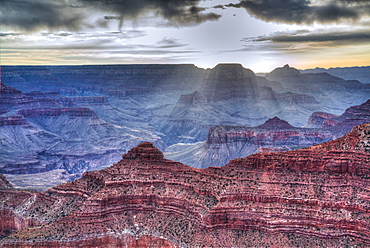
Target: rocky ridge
312	197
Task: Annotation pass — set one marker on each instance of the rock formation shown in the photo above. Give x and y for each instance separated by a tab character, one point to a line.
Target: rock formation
230	81
314	197
229	142
4	183
342	124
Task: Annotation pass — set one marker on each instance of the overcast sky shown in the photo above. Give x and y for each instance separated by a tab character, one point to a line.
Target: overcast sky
260	34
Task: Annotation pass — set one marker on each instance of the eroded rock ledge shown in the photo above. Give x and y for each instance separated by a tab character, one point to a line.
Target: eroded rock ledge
315	197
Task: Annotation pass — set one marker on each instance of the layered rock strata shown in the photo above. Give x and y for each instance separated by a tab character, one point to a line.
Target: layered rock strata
314	197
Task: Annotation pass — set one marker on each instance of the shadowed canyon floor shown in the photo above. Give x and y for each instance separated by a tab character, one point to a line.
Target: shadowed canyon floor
313	197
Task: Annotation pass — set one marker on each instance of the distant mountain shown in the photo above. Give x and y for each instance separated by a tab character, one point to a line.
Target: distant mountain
360	73
331	92
313	197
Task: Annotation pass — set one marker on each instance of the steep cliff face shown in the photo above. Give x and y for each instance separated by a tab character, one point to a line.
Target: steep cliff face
313	197
228	142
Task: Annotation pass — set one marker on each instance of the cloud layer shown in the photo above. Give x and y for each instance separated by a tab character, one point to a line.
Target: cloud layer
305	11
31	15
349	37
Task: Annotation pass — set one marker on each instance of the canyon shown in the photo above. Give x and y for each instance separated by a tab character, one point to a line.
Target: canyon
61	121
312	197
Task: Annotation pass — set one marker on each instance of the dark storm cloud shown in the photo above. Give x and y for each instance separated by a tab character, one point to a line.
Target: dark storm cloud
219	7
305	11
306	36
72	14
32	14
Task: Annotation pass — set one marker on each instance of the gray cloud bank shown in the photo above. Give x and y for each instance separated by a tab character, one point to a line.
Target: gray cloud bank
307	36
31	15
306	11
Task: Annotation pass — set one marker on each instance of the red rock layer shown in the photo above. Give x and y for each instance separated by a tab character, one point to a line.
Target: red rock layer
315	197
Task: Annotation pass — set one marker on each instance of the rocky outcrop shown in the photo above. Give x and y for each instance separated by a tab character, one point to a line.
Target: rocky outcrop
4	183
229	142
317	119
312	197
343	123
275	123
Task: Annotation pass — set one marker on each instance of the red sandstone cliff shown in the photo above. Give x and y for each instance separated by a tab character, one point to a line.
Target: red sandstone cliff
315	197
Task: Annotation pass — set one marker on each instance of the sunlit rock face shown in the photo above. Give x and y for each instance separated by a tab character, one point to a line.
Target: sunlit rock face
313	197
229	142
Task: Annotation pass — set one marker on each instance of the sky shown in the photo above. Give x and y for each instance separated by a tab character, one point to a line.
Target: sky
259	34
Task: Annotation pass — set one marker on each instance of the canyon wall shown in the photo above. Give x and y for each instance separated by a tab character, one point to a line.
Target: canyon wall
313	197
